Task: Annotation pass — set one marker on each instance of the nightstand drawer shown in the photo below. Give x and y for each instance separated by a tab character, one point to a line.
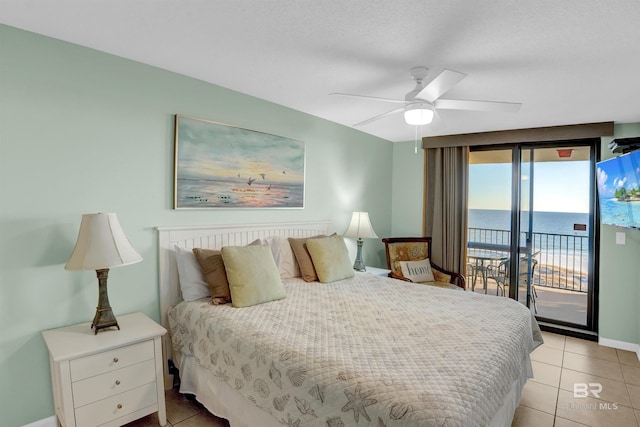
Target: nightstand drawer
110	360
108	384
117	406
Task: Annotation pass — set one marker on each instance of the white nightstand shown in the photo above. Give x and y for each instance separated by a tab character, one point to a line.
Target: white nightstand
108	379
377	271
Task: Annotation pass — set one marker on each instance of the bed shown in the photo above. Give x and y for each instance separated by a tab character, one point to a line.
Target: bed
365	351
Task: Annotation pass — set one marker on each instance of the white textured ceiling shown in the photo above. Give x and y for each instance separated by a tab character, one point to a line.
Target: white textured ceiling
566	61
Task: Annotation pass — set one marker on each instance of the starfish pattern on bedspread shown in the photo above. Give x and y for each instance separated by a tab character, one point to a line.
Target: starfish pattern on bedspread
358	402
341	358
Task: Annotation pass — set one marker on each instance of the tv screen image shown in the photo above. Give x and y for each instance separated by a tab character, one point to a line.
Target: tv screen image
619	190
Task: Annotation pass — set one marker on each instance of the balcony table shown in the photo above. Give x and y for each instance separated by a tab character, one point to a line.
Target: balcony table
480	257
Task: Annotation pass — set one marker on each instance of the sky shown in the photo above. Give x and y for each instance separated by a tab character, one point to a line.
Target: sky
558	186
208	150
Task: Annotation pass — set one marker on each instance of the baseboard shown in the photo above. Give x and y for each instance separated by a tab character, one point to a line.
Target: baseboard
622	345
45	422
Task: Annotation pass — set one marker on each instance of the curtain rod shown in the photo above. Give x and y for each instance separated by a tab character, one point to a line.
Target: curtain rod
551	133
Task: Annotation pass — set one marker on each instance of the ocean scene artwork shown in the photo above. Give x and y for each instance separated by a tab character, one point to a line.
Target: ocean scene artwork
223	166
619	190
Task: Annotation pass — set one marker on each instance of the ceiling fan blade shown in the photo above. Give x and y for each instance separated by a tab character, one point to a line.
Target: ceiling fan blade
374	98
438	86
491	106
379	116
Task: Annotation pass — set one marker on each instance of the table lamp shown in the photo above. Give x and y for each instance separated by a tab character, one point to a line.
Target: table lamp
360	227
101	245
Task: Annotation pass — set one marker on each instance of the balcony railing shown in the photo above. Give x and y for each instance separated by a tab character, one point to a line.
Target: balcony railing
562	258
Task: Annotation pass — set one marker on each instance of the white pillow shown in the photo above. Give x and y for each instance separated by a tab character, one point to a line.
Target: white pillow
283	256
192	284
417	271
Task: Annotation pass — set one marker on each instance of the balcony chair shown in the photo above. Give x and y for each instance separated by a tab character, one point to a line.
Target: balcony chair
500	274
400	249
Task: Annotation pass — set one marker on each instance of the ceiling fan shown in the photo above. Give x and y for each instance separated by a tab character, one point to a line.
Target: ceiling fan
421	104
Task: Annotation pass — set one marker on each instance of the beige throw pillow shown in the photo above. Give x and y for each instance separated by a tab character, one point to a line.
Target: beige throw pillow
252	274
299	247
330	258
214	274
417	271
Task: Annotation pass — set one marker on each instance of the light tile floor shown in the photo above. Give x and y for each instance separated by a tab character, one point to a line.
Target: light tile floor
547	399
182	412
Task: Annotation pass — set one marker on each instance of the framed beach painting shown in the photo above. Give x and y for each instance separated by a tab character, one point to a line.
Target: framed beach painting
222	166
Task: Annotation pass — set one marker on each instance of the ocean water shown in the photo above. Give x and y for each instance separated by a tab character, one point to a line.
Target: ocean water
543	222
626	214
212	193
563	252
553	232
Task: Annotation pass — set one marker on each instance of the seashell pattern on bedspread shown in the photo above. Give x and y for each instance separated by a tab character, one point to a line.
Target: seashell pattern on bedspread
366	351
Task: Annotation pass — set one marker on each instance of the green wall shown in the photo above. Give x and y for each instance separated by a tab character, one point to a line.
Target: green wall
82	131
619	269
408	190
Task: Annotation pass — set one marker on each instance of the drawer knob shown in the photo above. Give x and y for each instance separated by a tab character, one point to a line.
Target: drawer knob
115	360
117	382
119	405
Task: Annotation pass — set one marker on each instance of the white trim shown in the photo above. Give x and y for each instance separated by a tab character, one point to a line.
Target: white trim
45	422
622	345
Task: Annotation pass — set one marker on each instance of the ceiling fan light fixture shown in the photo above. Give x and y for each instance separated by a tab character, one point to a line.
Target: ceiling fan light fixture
418	113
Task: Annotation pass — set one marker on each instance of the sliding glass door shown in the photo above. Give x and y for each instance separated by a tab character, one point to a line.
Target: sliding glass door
531	228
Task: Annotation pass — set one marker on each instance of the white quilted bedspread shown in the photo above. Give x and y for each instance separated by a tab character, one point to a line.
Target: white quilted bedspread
368	351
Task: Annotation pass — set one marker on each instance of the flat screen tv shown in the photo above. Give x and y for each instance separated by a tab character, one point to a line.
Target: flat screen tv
619	190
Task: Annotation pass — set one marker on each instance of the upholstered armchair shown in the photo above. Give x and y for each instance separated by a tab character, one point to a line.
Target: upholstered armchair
401	249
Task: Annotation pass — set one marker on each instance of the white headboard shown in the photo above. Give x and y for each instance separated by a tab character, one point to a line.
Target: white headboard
215	237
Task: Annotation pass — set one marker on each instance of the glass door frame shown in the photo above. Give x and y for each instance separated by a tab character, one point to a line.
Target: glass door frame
594	224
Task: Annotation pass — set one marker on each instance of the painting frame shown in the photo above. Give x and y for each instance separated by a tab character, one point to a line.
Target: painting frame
223	166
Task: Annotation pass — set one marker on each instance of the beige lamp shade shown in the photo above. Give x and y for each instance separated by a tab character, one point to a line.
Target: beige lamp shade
101	244
360	227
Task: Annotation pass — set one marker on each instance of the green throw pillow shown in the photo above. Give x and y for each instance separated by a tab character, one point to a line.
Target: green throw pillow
252	274
330	258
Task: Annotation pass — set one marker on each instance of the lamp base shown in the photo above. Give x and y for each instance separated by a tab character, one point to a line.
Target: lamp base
104	317
358	265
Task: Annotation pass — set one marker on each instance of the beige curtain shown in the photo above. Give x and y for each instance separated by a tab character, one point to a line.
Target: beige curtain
445	210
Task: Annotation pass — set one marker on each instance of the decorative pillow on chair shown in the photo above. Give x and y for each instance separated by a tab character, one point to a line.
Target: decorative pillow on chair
214	274
192	283
417	271
406	251
253	275
330	258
